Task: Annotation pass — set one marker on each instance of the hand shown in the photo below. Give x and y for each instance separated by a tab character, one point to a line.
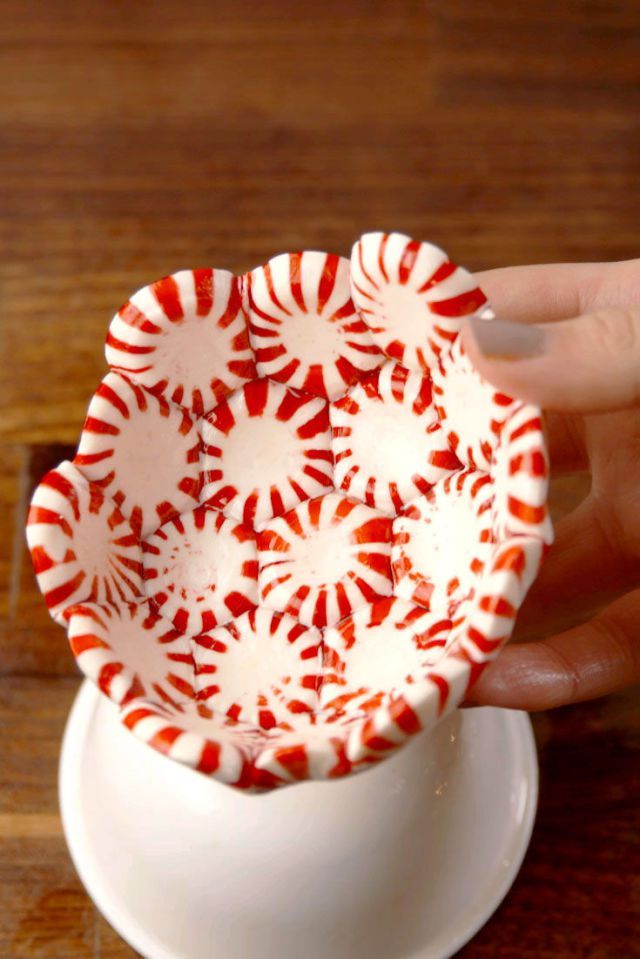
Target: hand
585	373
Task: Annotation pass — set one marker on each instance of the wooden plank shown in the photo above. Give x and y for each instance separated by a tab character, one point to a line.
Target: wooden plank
44	911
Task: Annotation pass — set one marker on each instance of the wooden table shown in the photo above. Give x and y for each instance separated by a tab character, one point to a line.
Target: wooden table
142	138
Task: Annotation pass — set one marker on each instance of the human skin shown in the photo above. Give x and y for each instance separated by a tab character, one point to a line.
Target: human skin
567	338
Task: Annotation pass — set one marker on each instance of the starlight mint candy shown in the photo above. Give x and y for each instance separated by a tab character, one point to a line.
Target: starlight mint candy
299	524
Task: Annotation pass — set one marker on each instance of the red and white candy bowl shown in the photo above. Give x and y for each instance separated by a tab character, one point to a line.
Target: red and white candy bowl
298	525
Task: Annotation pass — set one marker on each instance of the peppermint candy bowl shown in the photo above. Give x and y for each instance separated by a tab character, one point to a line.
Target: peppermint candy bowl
298	525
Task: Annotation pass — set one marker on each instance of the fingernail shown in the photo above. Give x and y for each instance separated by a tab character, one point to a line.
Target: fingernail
499	339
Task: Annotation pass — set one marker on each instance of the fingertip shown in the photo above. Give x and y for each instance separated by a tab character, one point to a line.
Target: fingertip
490	368
512	357
498	339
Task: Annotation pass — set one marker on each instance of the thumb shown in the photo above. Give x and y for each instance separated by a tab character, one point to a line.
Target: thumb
587	364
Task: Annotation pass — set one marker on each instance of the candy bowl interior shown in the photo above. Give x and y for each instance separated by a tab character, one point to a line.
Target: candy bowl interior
298	525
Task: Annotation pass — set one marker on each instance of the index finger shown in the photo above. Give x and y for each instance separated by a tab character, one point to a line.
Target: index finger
585	662
556	291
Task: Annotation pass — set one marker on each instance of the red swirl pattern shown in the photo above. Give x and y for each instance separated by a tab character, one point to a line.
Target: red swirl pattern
201	569
118	451
264	668
387	441
290	462
411	296
287	297
323	560
198	312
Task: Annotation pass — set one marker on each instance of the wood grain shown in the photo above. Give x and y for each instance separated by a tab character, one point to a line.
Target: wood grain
142	138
